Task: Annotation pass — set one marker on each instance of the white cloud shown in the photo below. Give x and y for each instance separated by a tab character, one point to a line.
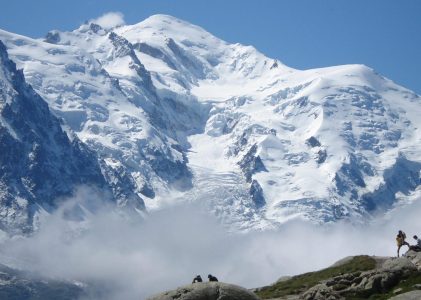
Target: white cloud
136	258
110	20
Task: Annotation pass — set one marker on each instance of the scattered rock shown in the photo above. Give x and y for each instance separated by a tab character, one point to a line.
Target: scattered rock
251	163
313	142
321	156
256	194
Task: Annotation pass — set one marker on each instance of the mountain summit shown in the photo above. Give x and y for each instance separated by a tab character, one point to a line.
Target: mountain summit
175	114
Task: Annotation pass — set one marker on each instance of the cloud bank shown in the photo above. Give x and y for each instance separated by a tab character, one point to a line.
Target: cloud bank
110	20
129	258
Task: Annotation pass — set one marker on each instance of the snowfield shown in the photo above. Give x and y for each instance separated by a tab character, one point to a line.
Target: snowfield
177	115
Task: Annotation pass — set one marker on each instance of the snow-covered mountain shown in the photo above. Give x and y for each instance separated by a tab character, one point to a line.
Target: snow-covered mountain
39	163
175	114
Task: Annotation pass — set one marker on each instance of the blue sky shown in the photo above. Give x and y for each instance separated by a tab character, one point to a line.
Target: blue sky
383	34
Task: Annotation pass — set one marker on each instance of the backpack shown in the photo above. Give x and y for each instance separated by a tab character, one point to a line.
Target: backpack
399	240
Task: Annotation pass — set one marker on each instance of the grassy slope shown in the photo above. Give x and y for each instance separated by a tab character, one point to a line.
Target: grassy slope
300	283
303	282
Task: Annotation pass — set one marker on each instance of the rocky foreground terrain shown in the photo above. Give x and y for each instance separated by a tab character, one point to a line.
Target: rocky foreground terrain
357	277
352	278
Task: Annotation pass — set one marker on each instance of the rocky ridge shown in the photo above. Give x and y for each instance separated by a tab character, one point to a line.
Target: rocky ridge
39	163
353	278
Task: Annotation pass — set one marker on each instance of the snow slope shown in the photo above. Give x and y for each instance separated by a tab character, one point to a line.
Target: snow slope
324	138
39	164
185	116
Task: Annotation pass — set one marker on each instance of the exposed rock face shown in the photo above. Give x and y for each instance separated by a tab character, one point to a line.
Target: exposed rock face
355	277
379	280
18	285
39	163
207	291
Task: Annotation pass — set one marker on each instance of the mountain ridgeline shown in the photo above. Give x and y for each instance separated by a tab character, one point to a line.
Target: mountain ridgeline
163	112
39	164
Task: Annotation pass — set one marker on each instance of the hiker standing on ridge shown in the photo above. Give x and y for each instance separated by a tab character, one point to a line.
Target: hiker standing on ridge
400	240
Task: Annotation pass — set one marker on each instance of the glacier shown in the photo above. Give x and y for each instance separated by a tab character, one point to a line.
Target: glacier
175	115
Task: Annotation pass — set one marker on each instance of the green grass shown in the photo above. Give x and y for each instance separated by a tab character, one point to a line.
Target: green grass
303	282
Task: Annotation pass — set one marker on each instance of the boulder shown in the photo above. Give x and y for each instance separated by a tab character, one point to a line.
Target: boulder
415	258
207	291
403	264
413	295
321	292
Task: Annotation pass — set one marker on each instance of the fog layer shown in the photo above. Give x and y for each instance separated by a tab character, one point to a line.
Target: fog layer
131	258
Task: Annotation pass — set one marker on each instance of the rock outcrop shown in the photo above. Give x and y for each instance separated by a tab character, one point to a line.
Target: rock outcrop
207	291
415	258
350	279
379	280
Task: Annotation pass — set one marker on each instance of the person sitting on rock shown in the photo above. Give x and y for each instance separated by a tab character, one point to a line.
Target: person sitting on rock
198	278
417	247
212	278
400	240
